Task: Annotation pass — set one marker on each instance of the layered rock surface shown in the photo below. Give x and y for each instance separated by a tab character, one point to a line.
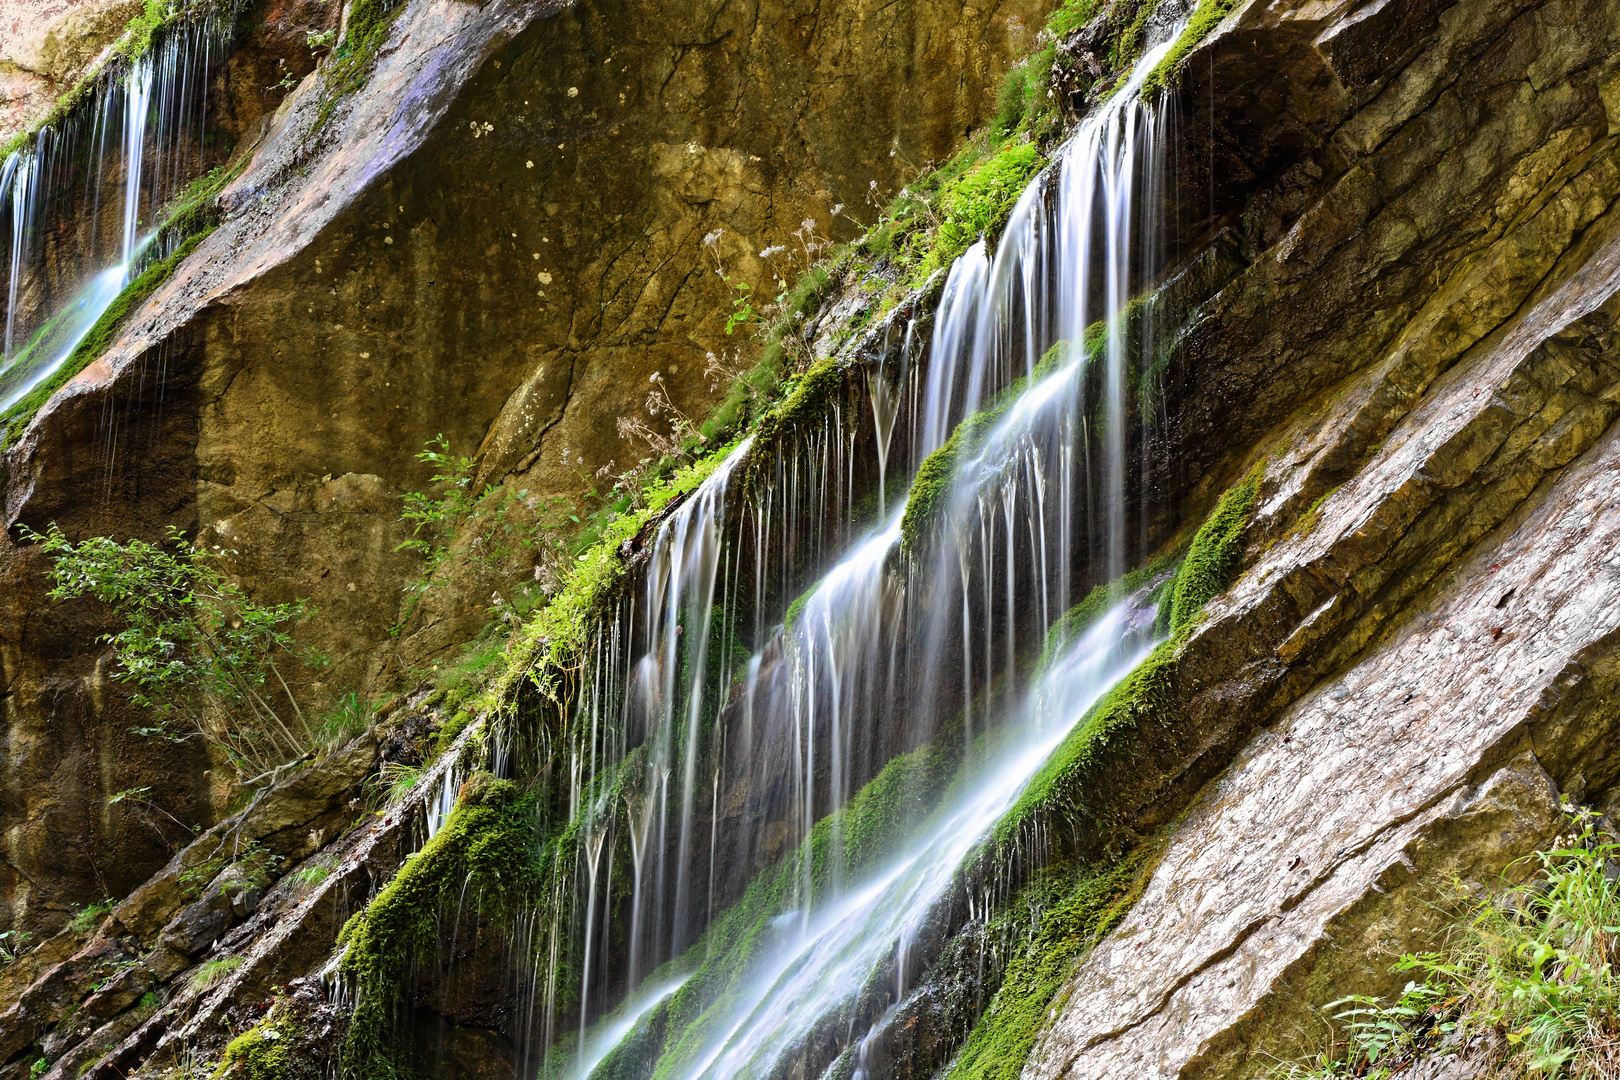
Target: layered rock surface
1418	347
498	239
1423	648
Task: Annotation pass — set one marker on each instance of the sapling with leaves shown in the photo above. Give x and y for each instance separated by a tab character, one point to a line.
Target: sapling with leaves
205	658
496	524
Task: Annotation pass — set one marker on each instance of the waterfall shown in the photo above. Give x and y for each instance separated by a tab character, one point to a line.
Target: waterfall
772	729
140	134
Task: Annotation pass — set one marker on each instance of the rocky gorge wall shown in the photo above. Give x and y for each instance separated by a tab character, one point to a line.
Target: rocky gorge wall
1410	346
499	240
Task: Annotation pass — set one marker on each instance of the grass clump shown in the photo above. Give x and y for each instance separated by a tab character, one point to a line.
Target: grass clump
974	205
486	852
210	972
86	920
1535	970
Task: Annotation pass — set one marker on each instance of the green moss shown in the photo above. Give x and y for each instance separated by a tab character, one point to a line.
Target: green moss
1080	618
137	39
931	488
259	1053
1076	909
1070	16
974	205
1204	20
352	60
1214	554
485	854
1070	786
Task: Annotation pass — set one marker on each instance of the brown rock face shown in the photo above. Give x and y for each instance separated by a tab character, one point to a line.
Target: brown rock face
1412	673
46	46
499	239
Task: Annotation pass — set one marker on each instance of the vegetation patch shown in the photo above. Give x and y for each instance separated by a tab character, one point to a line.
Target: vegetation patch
1214	554
1062	913
1532	972
1067	786
486	854
1204	20
351	62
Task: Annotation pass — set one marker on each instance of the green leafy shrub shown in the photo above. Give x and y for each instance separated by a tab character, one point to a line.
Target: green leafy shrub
1536	968
199	652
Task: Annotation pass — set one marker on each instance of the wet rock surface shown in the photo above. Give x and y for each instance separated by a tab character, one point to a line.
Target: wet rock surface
467	247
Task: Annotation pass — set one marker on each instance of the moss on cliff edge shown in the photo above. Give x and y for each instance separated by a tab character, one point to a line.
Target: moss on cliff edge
1067	910
14	421
1204	20
486	854
1071	784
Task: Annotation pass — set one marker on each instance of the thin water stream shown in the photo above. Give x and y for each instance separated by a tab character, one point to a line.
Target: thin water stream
882	654
132	148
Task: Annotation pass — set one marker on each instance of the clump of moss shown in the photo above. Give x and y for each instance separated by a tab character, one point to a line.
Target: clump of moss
1076	907
262	1052
1066	786
1214	554
352	60
1204	20
485	854
1072	624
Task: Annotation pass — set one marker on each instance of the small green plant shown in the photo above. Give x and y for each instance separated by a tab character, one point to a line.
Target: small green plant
1536	967
201	655
393	782
493	520
210	972
307	877
85	920
347	717
13	943
37	1069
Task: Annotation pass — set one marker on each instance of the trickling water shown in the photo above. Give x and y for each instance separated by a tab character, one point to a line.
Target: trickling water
821	968
67	264
685	714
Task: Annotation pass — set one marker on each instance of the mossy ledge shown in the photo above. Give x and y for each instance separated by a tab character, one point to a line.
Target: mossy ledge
486	854
1077	807
1205	19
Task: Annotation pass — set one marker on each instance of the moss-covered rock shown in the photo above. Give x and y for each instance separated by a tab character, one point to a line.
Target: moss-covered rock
486	855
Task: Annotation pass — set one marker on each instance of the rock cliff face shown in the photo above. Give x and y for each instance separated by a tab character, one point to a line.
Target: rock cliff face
499	239
1400	226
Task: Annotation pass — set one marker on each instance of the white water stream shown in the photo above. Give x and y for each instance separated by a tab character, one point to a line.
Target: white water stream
1038	479
144	125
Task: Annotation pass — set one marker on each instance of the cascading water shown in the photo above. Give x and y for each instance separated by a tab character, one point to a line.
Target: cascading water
883	654
74	245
